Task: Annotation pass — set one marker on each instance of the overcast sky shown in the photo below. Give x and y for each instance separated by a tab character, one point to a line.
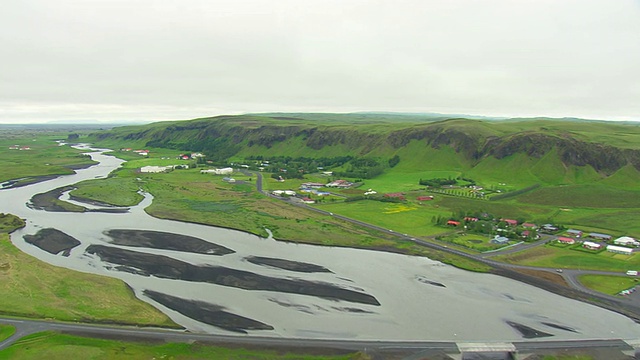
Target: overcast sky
160	59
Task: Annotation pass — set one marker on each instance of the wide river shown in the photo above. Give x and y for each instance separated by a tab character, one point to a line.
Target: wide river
419	299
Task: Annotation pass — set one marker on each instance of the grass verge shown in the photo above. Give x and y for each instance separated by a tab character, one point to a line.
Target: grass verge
54	346
6	331
608	284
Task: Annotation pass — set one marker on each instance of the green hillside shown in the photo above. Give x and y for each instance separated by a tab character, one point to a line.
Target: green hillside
564	157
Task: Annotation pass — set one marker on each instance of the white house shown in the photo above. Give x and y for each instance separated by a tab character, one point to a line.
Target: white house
620	249
626	241
223	171
591	245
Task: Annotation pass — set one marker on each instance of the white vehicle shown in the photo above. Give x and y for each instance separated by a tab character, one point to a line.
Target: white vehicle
632	273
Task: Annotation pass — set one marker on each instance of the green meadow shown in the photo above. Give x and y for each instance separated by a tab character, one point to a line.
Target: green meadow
608	284
57	346
573	258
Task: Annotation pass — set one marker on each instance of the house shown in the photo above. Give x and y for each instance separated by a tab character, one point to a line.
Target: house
470	219
340	184
307	200
529	225
311	185
626	241
370	192
549	228
14	147
397	195
599	236
142	152
499	240
453	223
591	245
510	222
574	233
619	249
566	240
154	169
424	198
229	179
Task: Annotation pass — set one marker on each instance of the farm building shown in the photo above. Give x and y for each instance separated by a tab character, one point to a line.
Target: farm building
397	195
599	236
566	240
154	169
549	227
311	185
591	245
453	223
470	219
424	198
307	200
223	171
510	221
500	240
574	233
529	225
626	241
619	249
340	184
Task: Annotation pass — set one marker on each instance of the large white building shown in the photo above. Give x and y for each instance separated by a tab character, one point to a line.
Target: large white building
223	171
626	241
620	249
154	169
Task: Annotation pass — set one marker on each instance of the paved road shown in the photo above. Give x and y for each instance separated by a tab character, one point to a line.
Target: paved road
411	349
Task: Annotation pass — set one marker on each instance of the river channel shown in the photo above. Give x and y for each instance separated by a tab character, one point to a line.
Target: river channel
264	287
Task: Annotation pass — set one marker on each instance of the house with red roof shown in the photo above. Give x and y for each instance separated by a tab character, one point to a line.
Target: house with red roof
397	195
510	222
424	198
566	240
453	223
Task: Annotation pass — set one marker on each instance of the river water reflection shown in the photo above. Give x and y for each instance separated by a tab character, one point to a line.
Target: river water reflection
419	299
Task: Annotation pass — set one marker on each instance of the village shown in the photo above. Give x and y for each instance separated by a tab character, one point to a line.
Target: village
499	232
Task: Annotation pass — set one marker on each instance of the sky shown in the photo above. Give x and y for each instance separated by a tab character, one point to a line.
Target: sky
151	60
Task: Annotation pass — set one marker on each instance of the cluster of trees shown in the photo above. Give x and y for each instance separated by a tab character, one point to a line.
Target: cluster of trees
440	182
289	167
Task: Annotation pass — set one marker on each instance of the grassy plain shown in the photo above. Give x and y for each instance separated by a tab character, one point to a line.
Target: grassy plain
44	157
571	257
33	288
56	346
607	284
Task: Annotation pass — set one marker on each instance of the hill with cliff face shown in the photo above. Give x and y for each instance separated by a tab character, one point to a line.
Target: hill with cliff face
559	149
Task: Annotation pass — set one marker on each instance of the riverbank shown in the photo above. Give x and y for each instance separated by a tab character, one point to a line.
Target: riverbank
34	289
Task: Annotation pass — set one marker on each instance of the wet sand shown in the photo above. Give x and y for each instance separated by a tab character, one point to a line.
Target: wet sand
166	241
287	264
53	241
208	313
169	268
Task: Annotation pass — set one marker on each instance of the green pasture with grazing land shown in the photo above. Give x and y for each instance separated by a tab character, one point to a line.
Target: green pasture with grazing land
568	258
9	223
44	157
58	346
114	191
33	288
608	284
6	331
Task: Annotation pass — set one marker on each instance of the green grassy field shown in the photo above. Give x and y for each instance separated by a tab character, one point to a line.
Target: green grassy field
6	331
611	285
44	157
56	346
555	257
33	288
